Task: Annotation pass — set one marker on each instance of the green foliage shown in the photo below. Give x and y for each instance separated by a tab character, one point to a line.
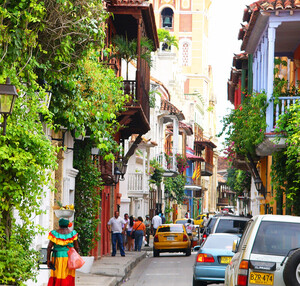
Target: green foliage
156	173
174	186
89	103
286	163
87	197
245	126
239	181
25	153
18	263
166	38
48	40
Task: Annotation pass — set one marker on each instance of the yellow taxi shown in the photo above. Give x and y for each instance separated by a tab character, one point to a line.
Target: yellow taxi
199	219
171	238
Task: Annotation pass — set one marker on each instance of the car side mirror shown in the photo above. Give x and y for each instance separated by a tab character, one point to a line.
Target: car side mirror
234	246
197	247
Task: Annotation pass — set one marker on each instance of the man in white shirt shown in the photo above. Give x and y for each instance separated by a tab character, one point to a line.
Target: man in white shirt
156	222
117	225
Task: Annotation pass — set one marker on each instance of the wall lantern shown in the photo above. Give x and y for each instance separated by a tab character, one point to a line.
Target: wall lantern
259	185
8	95
120	170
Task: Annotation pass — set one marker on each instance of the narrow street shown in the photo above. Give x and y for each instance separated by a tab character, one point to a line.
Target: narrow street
167	269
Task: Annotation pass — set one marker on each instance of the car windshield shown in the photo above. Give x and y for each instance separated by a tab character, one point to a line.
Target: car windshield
276	238
171	228
183	221
220	242
231	226
212	222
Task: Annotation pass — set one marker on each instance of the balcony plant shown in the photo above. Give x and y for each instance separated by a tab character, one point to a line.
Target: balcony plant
182	163
244	127
127	50
286	163
156	172
174	186
167	39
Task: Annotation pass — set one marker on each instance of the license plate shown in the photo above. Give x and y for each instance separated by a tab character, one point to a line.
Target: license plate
225	259
261	278
170	237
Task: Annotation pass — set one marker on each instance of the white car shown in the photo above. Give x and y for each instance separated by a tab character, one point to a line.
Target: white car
267	254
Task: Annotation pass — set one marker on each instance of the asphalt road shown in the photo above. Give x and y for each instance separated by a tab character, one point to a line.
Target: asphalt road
168	269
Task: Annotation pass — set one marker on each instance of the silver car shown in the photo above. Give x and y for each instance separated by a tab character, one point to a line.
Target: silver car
267	254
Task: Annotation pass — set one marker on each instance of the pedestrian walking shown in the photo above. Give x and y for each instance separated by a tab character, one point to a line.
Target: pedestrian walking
59	242
205	220
147	224
139	230
130	243
116	225
163	219
189	228
125	239
156	222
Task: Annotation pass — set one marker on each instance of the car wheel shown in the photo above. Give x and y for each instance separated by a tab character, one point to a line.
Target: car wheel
188	252
198	283
291	272
155	253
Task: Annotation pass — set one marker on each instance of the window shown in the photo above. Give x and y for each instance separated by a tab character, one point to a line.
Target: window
185	49
167	18
276	238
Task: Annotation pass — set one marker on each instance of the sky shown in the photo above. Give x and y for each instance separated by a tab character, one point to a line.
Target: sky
225	18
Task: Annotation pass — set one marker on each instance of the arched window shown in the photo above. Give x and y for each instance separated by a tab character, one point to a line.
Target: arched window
186	52
167	18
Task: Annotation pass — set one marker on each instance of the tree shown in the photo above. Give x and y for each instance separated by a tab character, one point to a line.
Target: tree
56	41
127	50
167	39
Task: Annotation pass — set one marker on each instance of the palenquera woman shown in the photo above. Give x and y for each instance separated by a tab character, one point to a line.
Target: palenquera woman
59	242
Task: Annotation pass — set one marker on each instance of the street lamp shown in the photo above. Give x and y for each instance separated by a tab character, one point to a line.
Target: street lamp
8	95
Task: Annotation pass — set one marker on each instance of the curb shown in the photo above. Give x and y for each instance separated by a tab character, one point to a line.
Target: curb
129	268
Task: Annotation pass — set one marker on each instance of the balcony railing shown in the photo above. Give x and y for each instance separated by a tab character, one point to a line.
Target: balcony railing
138	97
223	201
137	184
284	103
206	169
168	165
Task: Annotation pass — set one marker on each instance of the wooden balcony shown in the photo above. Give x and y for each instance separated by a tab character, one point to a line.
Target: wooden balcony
223	202
206	169
136	118
134	20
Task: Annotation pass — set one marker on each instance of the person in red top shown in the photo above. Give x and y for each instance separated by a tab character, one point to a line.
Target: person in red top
139	230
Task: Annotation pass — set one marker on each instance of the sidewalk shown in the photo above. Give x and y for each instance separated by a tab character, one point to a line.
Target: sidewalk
111	271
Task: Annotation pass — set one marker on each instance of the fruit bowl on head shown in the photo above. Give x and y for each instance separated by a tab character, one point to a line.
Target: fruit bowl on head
64	213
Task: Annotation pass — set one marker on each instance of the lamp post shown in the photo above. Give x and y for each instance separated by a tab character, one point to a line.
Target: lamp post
8	95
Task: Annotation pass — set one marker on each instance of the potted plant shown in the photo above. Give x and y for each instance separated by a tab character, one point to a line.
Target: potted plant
87	202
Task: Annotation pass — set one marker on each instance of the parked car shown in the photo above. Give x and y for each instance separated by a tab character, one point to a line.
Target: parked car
230	224
171	238
267	254
212	258
209	226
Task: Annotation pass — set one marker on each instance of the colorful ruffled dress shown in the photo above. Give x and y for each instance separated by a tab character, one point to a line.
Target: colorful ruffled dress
62	276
